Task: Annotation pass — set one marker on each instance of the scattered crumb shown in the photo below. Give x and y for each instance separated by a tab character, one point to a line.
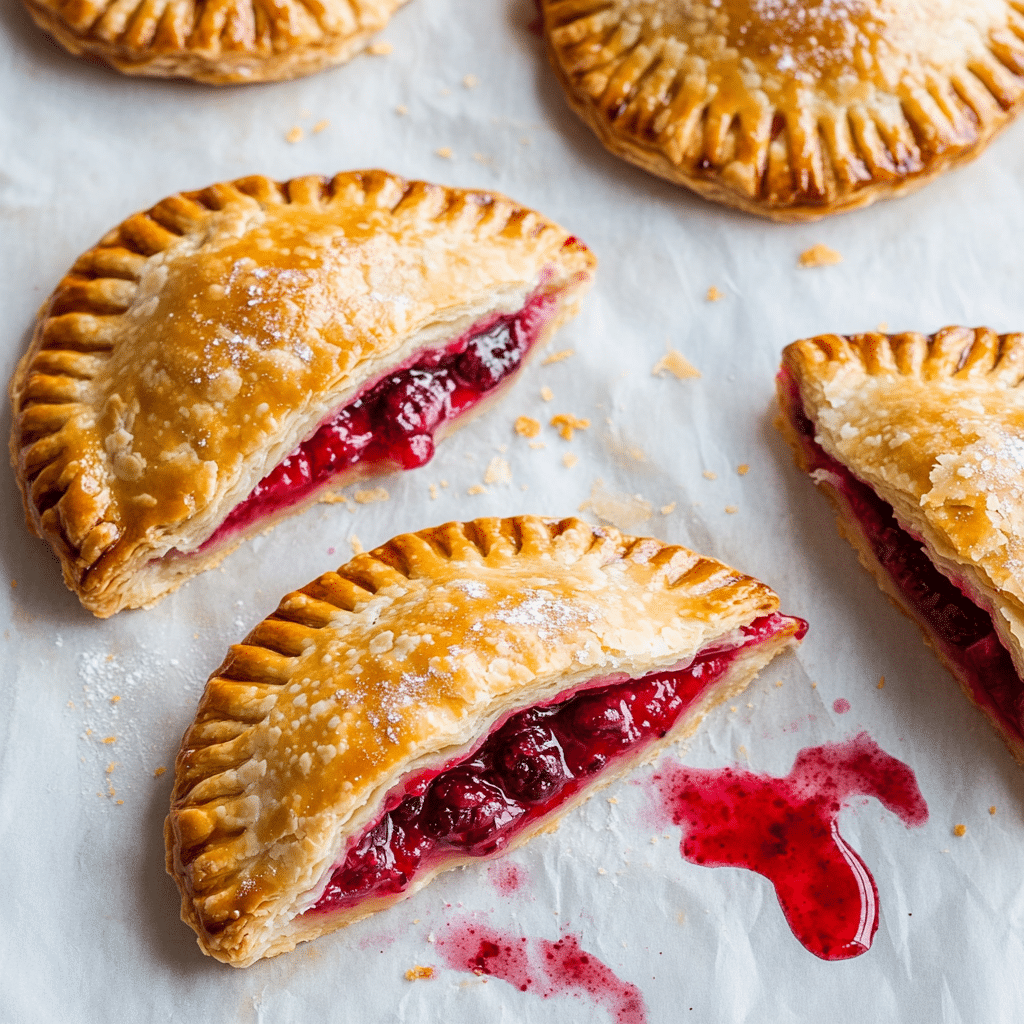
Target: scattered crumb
498	471
481	159
470	81
433	492
778	683
157	772
713	294
992	809
112	766
115	699
109	739
569	460
676	364
820	256
546	393
733	708
565	423
294	134
401	110
959	830
557	357
537	445
445	152
742	750
527	426
601	871
119	802
417	972
476	489
369	497
381	48
613	799
524	487
668	509
356	544
626	511
883	327
321	126
333	498
743	469
731	509
881	682
709	475
14	583
814	686
444	483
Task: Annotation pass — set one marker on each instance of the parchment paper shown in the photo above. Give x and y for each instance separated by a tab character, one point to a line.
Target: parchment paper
90	928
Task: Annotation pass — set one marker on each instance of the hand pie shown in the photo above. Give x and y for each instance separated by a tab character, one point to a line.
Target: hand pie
919	442
442	698
223	359
792	109
215	41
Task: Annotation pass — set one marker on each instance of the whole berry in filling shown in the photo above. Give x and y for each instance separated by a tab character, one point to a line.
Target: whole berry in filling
490	356
464	808
531	764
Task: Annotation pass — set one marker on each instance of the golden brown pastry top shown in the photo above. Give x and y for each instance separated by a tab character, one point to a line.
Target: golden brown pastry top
935	425
792	108
199	342
215	41
402	659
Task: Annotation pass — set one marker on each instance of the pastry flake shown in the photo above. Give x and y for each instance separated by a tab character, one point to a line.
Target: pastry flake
215	41
919	443
226	357
440	699
791	109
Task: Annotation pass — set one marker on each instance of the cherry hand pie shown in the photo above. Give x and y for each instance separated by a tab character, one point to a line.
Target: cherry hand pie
791	108
225	358
919	442
442	698
214	41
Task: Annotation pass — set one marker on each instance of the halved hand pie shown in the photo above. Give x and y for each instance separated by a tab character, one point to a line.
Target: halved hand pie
215	41
791	108
442	698
919	442
221	360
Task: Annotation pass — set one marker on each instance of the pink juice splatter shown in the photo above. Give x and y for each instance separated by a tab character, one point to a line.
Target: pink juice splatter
547	968
786	830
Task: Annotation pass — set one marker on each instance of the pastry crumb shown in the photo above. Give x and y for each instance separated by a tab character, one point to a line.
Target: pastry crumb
112	766
601	871
417	972
959	830
546	393
881	683
294	134
445	152
334	498
401	110
992	810
480	158
820	256
527	426
14	583
714	295
476	489
321	125
778	683
498	471
444	483
537	445
613	799
565	423
157	772
116	699
355	544
668	509
569	460
109	739
743	469
557	357
675	363
470	81
709	475
732	509
741	749
433	492
814	686
627	512
381	48
368	497
882	327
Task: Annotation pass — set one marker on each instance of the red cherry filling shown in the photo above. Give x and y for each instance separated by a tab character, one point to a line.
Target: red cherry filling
535	761
962	630
395	419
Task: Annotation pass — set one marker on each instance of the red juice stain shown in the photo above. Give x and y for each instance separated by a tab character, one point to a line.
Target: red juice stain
544	967
840	705
505	877
786	830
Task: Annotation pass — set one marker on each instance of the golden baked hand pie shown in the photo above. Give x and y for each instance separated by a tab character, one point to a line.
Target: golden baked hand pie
791	108
221	360
919	442
215	41
442	698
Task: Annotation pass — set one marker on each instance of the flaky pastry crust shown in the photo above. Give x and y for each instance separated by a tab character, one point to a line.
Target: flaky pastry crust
935	426
403	660
215	41
791	109
198	343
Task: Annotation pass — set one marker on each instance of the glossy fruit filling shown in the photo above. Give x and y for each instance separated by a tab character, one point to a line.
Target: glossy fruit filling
394	420
961	630
532	763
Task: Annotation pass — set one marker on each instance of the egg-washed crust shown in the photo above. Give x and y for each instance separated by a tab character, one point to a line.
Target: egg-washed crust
785	108
935	426
403	660
191	350
214	41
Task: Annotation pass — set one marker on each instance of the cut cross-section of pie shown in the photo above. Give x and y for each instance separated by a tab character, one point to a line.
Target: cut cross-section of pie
919	442
228	356
792	109
214	41
441	699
